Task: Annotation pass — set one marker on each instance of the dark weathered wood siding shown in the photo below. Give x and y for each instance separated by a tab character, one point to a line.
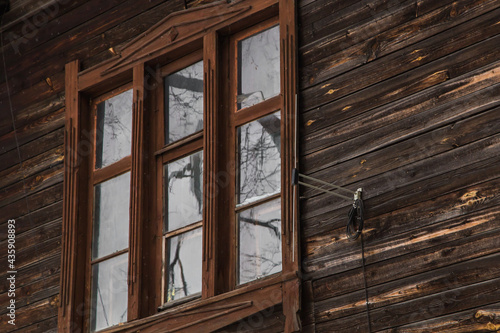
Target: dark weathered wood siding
398	97
402	98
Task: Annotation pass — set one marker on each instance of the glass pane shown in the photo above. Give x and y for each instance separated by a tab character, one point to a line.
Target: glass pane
114	129
258	67
111	216
183	272
183	186
184	103
109	292
259	159
260	241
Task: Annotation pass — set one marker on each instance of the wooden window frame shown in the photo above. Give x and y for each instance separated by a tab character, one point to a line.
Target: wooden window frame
221	302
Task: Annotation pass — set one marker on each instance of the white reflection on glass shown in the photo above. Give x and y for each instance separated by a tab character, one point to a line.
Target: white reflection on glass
260	241
183	185
183	273
109	292
114	129
111	216
259	159
184	102
258	67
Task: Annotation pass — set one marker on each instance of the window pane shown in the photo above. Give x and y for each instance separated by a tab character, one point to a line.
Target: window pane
111	216
260	241
184	103
259	159
109	292
114	129
183	272
183	186
258	67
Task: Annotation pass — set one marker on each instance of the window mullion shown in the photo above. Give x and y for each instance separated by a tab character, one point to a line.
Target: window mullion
210	94
136	194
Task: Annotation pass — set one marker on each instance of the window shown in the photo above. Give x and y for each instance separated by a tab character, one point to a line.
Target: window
179	211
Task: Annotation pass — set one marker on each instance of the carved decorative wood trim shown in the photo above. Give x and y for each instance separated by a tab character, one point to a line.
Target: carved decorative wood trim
136	194
291	289
210	161
174	29
70	207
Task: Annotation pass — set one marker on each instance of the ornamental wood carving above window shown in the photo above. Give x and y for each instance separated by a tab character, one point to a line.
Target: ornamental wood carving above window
178	162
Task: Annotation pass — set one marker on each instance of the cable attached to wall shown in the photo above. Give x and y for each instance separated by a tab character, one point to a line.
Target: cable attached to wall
355	222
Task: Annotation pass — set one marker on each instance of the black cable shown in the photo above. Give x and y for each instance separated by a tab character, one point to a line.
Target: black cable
356	220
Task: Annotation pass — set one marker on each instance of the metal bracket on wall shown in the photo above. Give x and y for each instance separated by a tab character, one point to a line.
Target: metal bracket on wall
356	219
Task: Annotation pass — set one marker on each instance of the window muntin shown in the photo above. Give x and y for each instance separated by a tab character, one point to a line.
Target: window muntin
183	102
258	67
114	129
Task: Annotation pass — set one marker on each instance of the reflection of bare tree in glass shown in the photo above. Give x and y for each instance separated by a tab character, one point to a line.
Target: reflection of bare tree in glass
177	261
193	171
114	129
184	102
260	158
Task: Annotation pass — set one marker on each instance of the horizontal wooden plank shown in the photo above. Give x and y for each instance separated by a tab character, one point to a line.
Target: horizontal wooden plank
434	187
29	114
32	292
32	184
42	270
33	237
485	318
333	254
402	153
395	128
31	131
31	255
32	203
443	44
417	286
31	314
48	325
411	88
34	219
32	148
407	174
401	32
332	243
447	302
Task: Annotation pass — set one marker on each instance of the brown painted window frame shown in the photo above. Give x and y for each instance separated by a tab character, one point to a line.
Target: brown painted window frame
221	302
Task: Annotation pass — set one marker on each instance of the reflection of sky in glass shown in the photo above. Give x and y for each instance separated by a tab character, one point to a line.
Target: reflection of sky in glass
259	158
184	265
183	181
114	129
184	102
109	292
111	216
259	67
260	241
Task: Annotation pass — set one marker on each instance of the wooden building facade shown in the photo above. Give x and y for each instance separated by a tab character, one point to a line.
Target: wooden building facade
399	98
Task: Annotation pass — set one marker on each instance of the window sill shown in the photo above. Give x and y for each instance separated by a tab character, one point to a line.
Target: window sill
207	315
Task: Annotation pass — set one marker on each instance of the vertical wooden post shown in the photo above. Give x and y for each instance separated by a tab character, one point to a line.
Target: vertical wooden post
288	38
72	255
210	93
136	195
